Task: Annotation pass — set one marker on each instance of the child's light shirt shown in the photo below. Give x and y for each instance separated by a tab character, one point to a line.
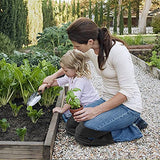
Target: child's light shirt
87	95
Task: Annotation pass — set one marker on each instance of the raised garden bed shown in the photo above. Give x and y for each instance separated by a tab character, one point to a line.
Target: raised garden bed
35	148
141	51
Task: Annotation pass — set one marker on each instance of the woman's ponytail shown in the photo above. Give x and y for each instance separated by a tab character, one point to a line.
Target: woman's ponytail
105	45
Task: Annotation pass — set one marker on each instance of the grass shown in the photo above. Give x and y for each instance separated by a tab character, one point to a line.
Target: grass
139	39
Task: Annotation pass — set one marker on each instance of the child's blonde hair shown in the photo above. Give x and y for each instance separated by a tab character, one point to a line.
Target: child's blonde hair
74	59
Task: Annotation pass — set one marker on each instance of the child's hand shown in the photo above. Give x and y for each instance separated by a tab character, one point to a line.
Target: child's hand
42	88
57	109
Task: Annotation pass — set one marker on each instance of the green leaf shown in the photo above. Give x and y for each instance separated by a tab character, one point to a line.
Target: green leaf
21	132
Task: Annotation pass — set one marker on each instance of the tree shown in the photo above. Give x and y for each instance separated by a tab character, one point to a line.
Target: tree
143	17
13	21
35	19
101	14
96	13
119	11
47	10
121	23
64	10
90	9
84	13
73	10
108	14
78	9
129	19
115	19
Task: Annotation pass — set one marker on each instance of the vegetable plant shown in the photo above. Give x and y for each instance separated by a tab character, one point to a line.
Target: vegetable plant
72	99
21	132
4	124
34	114
7	82
15	108
55	40
48	97
155	60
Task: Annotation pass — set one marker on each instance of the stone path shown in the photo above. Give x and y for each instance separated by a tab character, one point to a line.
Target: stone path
147	147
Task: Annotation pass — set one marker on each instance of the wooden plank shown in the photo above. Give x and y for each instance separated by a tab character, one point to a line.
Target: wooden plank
19	143
21	151
28	150
51	134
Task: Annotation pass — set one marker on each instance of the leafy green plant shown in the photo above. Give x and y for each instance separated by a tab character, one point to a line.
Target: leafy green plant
155	60
21	132
8	84
6	46
21	74
22	81
72	99
15	108
157	44
34	114
4	124
53	39
49	96
156	23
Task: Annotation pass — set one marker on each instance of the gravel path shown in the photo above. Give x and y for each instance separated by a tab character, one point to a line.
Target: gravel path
147	147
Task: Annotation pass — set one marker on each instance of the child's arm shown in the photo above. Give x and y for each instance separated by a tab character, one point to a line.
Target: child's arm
45	85
61	110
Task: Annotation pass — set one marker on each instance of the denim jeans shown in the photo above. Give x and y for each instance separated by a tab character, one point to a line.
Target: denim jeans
119	121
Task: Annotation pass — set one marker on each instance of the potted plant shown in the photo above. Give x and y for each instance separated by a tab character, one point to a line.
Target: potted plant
73	100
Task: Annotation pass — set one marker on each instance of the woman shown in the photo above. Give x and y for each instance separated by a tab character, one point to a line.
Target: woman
114	119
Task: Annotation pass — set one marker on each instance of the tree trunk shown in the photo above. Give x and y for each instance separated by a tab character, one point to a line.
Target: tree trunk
119	11
143	16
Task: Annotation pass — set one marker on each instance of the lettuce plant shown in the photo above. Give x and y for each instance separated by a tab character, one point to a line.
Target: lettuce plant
21	132
4	124
34	114
15	108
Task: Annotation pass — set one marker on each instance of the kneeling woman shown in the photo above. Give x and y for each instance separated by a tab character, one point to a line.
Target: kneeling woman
117	117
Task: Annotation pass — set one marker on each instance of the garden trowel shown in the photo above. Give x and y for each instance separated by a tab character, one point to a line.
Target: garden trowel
34	98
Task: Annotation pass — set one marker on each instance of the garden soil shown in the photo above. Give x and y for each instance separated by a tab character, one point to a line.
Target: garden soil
35	132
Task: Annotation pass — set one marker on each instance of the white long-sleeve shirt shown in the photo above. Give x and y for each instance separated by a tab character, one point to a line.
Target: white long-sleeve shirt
118	76
87	95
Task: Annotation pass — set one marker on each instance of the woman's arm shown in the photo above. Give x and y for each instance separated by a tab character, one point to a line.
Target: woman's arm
50	79
91	112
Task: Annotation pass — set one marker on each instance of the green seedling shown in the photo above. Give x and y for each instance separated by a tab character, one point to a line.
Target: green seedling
21	132
15	108
34	114
4	124
72	99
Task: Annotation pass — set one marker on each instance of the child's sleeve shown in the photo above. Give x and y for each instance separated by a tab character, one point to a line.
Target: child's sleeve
62	81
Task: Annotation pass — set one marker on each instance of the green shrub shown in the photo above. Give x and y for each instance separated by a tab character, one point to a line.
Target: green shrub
132	40
156	24
35	56
157	45
54	38
6	46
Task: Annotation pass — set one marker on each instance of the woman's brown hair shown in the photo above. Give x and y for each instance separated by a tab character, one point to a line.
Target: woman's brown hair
83	29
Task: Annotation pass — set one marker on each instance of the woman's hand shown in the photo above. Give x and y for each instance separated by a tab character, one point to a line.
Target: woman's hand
85	114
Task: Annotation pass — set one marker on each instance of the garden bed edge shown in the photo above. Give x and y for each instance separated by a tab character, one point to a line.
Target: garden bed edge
33	150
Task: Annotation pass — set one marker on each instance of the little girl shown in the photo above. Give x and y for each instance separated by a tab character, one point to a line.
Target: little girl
77	75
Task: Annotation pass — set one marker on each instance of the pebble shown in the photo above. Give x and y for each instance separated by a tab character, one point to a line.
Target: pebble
148	147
